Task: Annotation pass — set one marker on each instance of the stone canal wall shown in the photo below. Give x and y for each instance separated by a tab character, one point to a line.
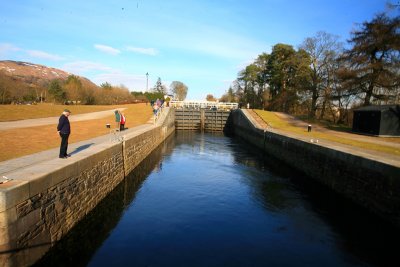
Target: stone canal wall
372	184
43	202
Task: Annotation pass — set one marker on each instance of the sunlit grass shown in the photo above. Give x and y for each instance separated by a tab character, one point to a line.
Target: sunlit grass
277	123
44	110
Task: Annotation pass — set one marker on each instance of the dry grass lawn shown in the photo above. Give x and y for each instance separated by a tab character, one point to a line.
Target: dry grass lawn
22	112
20	142
364	142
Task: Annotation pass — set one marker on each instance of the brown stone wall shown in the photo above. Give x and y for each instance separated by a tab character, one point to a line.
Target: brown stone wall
44	218
38	211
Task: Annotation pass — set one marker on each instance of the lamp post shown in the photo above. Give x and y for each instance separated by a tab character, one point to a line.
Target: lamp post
147	81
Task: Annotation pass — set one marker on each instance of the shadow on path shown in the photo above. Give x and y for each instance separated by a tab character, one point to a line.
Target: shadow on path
78	149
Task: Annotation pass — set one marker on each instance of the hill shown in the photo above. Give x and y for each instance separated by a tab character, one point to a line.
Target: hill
24	82
35	74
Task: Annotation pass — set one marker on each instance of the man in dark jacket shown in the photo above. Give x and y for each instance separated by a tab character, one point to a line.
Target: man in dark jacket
64	130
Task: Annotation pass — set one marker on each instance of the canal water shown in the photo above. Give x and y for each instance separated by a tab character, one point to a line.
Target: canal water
209	200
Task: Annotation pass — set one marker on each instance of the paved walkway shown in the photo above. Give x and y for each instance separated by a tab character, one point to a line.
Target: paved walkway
6	125
73	149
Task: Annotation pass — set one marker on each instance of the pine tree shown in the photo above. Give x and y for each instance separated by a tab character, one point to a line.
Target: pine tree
373	63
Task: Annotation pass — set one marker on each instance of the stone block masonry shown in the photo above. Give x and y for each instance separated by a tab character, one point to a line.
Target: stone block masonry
44	201
373	184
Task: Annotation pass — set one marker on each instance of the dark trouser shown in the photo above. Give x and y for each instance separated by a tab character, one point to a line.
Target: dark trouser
121	127
64	144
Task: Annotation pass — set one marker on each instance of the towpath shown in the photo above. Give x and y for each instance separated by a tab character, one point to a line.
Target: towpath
380	156
7	125
9	166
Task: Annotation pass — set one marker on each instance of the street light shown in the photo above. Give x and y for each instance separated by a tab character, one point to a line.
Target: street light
147	81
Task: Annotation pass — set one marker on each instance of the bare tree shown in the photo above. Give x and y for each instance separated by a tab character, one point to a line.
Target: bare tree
179	90
210	97
323	50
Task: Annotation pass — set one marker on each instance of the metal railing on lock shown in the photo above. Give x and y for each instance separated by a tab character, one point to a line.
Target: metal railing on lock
203	105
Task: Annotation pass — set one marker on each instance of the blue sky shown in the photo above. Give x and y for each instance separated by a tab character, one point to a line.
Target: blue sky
202	43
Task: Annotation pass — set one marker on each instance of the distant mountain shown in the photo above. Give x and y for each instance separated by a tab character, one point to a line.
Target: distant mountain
23	82
34	74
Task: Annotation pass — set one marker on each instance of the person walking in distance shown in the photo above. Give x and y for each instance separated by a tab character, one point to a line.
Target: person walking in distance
122	124
117	119
64	130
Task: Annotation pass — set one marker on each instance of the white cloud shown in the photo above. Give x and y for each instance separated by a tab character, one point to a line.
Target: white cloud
43	55
84	66
146	51
211	40
107	49
133	81
5	48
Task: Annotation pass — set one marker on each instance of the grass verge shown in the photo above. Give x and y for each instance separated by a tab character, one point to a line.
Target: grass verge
44	110
367	142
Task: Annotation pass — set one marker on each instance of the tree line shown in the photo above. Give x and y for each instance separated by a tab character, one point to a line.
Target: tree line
323	79
73	90
178	91
77	90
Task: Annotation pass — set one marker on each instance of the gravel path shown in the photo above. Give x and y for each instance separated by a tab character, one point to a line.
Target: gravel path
54	120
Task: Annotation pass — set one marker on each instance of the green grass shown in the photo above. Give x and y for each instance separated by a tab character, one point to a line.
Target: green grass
275	122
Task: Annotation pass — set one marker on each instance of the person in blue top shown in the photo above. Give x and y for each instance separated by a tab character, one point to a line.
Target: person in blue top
64	130
117	119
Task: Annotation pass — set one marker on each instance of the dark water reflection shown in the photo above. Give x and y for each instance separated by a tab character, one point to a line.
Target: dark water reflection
207	200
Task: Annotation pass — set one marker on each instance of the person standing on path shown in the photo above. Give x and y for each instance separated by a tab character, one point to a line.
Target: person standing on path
122	124
64	130
117	119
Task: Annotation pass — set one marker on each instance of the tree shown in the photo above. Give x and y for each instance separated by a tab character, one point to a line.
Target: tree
152	96
210	97
228	96
323	50
74	89
248	79
262	62
179	90
159	87
139	96
286	70
56	91
372	64
5	82
106	85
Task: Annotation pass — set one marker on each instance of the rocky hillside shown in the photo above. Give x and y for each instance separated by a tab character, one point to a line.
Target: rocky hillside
35	75
23	82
